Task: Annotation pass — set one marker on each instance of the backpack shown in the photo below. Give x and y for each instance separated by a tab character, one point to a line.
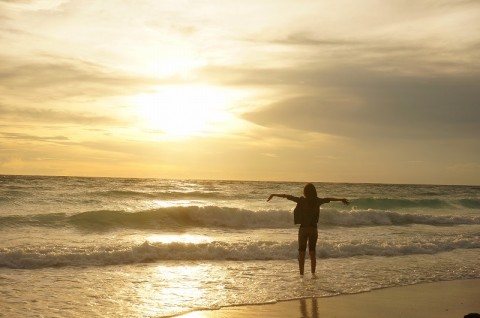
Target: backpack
305	214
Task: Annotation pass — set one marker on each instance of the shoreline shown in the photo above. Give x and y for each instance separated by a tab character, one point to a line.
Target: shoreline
444	299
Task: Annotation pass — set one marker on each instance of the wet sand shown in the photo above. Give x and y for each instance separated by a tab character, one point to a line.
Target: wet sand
440	300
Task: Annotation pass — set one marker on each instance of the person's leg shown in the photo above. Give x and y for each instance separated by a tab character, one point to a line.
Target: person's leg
312	244
302	246
301	261
313	261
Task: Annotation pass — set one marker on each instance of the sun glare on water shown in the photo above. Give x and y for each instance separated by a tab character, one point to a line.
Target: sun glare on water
182	111
180	238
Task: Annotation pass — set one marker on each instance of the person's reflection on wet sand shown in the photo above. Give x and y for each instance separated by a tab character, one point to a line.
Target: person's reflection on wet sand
314	309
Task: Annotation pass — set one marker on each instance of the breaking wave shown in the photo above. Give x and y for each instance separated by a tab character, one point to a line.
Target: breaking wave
395	204
55	256
222	217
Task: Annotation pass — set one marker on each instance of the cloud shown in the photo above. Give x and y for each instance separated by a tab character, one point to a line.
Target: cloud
303	38
61	78
34	5
358	102
27	114
28	137
16	1
457	3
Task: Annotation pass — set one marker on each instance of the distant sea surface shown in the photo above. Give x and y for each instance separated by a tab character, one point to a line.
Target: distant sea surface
109	247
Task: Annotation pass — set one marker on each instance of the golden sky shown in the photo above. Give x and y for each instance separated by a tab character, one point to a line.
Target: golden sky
331	90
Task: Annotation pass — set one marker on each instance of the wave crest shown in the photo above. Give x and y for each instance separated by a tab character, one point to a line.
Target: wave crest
38	257
181	217
222	217
379	217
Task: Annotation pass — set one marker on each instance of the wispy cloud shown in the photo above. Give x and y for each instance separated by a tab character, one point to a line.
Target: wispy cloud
29	137
39	115
34	4
61	78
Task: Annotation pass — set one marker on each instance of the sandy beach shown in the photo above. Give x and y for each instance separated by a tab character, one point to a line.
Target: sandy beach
440	300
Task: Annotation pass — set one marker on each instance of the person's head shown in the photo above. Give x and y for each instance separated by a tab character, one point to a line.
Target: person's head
309	191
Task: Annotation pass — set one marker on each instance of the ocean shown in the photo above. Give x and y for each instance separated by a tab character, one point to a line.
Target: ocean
113	247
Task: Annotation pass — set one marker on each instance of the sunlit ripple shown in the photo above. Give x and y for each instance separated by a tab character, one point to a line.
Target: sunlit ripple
180	238
175	203
166	286
196	314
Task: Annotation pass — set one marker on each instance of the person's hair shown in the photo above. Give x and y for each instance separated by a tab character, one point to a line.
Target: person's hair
310	192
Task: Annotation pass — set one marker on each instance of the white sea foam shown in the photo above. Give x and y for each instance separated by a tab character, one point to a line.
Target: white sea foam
48	256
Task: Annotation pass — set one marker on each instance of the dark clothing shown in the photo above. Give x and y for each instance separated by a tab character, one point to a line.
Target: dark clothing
306	214
307	234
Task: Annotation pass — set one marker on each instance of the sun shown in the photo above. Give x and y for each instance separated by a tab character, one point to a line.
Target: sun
182	111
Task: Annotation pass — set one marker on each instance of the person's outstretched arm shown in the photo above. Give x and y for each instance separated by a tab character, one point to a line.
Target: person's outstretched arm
276	195
345	201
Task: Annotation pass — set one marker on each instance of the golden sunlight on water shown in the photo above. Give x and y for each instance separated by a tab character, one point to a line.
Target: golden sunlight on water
178	295
153	204
180	238
197	314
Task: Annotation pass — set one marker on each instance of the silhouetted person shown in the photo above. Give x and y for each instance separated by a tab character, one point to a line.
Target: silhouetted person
306	214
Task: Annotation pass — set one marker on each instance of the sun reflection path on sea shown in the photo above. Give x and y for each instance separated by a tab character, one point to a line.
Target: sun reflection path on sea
180	238
155	204
196	314
171	287
166	288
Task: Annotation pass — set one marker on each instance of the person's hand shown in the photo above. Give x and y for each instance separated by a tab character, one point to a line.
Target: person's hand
270	197
345	201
